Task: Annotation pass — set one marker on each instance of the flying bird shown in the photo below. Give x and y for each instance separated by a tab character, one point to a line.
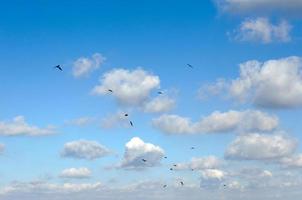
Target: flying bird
192	148
190	66
126	115
164	186
182	183
131	123
171	169
109	90
175	165
159	92
165	157
58	67
144	160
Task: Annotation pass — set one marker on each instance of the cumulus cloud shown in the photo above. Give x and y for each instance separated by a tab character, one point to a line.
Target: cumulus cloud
213	174
260	6
260	147
217	122
136	150
210	162
77	173
293	161
262	30
159	104
83	66
129	87
84	149
271	84
18	126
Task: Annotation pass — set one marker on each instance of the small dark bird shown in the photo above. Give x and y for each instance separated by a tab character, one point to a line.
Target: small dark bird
131	123
165	157
192	148
224	185
144	160
110	90
171	169
192	169
182	183
164	186
159	92
190	66
126	115
175	165
58	67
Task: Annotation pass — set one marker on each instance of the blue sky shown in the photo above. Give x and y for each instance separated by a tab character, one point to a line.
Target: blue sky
120	45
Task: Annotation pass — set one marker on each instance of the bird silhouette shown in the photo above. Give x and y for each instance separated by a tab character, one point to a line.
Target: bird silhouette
58	67
190	66
159	92
182	183
131	123
144	160
109	90
171	169
175	165
164	186
192	148
165	157
126	115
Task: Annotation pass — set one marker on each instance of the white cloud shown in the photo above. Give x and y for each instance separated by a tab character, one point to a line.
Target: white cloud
260	147
84	66
217	122
210	162
84	149
159	104
18	126
213	174
136	150
77	173
260	6
262	30
271	84
294	161
274	83
129	87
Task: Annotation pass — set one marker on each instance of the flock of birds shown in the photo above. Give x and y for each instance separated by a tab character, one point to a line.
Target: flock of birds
58	67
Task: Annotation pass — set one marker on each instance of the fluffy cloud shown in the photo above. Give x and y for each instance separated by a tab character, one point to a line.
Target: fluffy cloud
129	87
83	149
259	6
217	122
270	84
210	162
18	126
136	150
77	173
262	30
159	104
274	83
213	174
84	66
260	147
294	161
